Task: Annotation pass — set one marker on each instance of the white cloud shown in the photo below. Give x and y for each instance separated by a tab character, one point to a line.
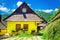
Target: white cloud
47	10
4	9
29	4
19	3
56	9
13	10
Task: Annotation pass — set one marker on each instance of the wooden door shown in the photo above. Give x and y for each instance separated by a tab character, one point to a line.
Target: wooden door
38	29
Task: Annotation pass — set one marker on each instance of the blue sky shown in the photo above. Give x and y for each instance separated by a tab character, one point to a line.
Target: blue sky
7	6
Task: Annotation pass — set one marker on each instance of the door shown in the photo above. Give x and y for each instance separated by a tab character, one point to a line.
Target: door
38	29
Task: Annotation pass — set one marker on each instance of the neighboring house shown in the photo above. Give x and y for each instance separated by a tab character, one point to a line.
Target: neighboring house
23	19
2	27
42	26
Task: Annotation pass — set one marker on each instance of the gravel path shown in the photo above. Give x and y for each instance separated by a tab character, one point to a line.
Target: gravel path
24	38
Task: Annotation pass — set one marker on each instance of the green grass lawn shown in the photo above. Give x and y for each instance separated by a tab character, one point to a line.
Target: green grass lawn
24	36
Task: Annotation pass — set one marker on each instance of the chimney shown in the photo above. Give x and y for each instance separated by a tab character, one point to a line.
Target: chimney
0	17
24	14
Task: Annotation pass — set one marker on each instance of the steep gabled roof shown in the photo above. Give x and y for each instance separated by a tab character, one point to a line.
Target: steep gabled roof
19	12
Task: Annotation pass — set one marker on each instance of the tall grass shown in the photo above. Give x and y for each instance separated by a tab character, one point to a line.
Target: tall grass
52	31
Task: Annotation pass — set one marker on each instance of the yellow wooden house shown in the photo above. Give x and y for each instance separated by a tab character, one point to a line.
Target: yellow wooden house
23	19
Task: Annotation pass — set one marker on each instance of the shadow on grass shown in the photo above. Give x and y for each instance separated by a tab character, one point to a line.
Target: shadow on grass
39	34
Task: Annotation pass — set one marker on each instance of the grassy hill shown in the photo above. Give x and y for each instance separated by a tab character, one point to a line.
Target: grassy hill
44	15
52	31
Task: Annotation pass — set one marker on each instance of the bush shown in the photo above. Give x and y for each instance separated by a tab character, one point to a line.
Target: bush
21	34
52	31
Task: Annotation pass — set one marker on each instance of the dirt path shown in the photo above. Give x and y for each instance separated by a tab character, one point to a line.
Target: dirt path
24	38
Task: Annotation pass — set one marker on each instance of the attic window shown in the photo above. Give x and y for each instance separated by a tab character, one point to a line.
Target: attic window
24	10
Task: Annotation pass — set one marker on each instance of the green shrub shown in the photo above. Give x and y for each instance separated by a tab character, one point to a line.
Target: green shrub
52	31
21	34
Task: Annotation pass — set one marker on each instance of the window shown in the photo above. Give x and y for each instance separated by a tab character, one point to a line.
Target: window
38	23
24	10
33	32
0	30
26	27
18	27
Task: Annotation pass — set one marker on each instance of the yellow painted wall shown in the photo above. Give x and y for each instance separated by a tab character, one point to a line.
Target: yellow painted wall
12	26
3	32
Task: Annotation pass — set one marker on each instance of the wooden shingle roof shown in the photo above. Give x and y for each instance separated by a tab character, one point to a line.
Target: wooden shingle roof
30	17
18	15
42	25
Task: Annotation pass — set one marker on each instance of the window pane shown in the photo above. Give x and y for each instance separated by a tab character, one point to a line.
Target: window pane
24	10
18	27
0	30
26	26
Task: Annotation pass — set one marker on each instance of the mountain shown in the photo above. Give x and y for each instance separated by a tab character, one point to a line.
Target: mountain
55	13
5	15
44	15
